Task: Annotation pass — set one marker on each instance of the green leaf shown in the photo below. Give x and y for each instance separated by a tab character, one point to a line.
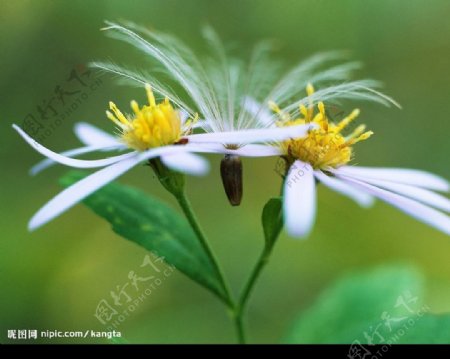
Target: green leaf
428	329
153	225
358	303
272	220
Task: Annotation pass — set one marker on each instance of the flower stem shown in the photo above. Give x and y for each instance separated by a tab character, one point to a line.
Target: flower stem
246	291
190	216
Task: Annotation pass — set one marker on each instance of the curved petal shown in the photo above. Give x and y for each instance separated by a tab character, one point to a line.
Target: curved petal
362	198
184	115
299	204
203	124
188	163
399	175
419	194
67	160
257	110
80	190
93	136
249	136
415	209
44	164
244	151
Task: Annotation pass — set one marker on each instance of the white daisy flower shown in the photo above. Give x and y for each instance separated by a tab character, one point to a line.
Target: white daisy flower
323	157
155	130
224	90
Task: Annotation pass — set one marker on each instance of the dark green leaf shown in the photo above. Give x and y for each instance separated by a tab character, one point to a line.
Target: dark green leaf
150	223
272	220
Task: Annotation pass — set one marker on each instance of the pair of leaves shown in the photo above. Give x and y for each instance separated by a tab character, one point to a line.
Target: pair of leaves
385	305
153	225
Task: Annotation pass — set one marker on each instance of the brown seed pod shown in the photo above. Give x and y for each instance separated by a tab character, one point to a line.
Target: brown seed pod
231	173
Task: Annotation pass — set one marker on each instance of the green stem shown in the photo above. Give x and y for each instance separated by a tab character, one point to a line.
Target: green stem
246	291
189	213
249	285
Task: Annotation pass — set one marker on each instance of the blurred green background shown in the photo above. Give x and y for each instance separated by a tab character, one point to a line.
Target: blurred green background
55	277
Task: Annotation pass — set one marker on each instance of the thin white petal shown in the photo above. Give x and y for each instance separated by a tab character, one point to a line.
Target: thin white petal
184	115
249	136
256	151
204	124
44	164
262	114
299	205
80	190
188	163
67	160
245	151
422	195
415	209
362	198
93	136
400	175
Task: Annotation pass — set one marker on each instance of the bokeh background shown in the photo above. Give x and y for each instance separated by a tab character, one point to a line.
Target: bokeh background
55	277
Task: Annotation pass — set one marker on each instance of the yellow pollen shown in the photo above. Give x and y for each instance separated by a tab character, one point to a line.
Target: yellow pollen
150	126
309	89
325	146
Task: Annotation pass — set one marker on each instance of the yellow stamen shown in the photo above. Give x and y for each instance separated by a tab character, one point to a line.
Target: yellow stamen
324	146
275	108
153	125
303	110
118	113
309	89
358	130
150	96
344	123
362	137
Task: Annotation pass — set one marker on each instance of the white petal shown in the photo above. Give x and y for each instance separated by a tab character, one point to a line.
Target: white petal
188	163
422	195
93	136
80	190
299	205
44	164
262	114
184	115
399	175
249	136
204	124
71	161
244	151
415	209
362	198
256	151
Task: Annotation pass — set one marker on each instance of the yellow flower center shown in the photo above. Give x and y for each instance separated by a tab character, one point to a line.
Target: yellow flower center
324	146
151	126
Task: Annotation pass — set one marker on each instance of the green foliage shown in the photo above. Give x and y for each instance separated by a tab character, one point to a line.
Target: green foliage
383	306
272	220
153	225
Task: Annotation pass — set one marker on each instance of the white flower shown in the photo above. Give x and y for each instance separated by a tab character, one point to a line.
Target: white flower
323	156
225	91
154	130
